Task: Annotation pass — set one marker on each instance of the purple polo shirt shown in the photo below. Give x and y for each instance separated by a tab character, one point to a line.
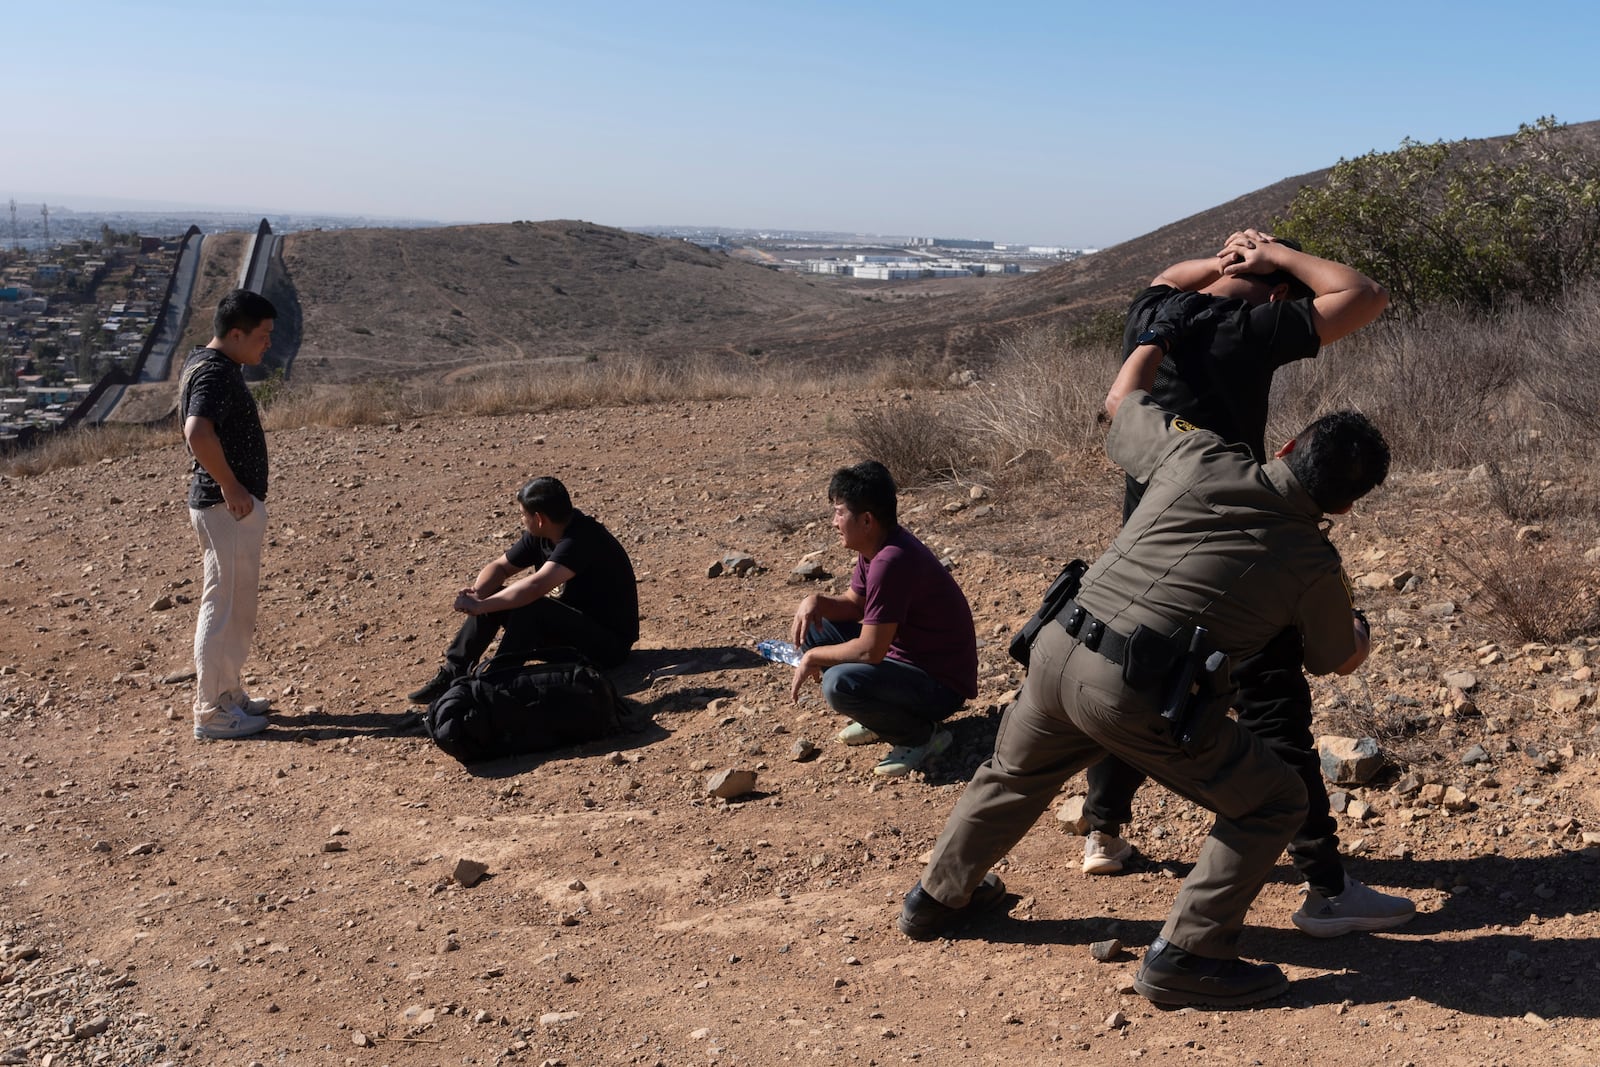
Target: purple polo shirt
905	584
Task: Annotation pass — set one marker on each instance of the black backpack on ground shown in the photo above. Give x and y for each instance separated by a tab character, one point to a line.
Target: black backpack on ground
532	708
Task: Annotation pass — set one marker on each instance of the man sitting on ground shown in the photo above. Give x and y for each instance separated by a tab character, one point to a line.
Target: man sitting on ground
597	613
897	652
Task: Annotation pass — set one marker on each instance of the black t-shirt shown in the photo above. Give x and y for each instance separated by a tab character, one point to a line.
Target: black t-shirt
212	387
1219	372
602	585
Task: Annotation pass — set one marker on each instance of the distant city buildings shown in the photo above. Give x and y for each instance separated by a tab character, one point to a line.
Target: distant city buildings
898	268
917	257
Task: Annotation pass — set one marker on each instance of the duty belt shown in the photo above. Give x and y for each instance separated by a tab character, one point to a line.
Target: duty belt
1093	634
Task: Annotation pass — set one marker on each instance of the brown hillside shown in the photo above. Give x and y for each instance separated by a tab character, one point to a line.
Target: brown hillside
968	331
449	302
441	301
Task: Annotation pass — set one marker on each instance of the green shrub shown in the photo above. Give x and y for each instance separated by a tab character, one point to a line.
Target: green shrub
1458	223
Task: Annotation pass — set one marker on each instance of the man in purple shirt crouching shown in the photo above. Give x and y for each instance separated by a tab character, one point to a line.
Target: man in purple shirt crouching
897	652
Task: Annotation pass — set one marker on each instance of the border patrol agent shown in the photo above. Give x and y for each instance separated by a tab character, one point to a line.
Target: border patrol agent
1227	323
1220	543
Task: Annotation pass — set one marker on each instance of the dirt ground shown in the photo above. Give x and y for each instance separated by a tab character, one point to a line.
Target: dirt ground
288	898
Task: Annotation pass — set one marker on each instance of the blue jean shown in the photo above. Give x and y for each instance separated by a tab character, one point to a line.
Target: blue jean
899	702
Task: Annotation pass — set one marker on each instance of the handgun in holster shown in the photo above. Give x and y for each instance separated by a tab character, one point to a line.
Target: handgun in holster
1063	589
1200	687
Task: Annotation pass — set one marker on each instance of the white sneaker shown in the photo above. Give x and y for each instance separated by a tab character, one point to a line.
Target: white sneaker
1357	908
253	706
1104	853
903	759
223	723
856	734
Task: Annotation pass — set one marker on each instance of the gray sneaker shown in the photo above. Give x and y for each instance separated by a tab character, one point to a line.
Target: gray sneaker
903	759
1357	908
252	706
1104	853
225	723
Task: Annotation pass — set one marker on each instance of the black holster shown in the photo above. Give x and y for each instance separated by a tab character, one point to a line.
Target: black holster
1063	589
1199	690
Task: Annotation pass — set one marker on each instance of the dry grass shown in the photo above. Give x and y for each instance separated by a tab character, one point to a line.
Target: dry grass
1404	729
1046	394
919	443
1538	590
1451	390
554	386
1041	402
75	448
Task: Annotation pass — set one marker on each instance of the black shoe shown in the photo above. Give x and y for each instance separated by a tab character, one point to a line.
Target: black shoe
434	689
1173	977
922	918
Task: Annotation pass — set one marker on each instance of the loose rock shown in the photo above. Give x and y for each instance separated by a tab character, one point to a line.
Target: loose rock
811	571
733	782
469	873
1070	815
1349	760
1106	951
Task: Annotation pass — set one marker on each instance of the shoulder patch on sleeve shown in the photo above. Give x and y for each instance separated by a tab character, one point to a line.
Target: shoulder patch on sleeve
1181	425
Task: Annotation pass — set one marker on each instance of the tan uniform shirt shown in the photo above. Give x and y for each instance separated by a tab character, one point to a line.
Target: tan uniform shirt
1219	541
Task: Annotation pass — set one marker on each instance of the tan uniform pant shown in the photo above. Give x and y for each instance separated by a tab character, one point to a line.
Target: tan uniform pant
1073	708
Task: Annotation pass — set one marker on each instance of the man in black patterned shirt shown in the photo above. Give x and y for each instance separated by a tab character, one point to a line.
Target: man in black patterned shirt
227	508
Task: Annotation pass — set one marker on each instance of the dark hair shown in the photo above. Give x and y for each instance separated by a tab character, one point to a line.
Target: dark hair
1297	289
1339	459
548	497
866	487
241	310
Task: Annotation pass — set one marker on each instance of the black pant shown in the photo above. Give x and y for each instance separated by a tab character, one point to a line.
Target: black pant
544	624
1274	703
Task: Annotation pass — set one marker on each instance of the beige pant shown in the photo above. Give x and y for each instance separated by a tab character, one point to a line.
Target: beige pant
1075	707
227	619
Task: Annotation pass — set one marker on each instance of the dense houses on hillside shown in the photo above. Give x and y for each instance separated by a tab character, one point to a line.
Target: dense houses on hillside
69	315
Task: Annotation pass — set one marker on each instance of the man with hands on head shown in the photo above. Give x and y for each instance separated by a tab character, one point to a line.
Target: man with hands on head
1220	557
1205	339
596	613
897	652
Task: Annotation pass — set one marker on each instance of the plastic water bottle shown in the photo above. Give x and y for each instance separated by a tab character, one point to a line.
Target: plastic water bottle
779	652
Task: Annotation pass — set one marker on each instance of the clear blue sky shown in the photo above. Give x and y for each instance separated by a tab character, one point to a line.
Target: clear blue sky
1061	122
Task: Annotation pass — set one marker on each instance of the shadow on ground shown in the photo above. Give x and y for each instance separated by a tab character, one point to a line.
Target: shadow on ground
1505	970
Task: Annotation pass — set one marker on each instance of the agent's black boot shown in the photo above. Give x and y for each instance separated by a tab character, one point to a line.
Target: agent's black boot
1173	977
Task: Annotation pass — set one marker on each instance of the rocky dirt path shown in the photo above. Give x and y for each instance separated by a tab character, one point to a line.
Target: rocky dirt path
289	899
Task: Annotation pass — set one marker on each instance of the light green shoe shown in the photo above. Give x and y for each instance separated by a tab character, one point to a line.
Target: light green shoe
903	759
856	734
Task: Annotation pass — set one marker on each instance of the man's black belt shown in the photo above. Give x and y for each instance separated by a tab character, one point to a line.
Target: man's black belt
1092	633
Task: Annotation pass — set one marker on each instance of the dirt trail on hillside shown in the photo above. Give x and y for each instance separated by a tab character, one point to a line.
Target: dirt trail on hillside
288	898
